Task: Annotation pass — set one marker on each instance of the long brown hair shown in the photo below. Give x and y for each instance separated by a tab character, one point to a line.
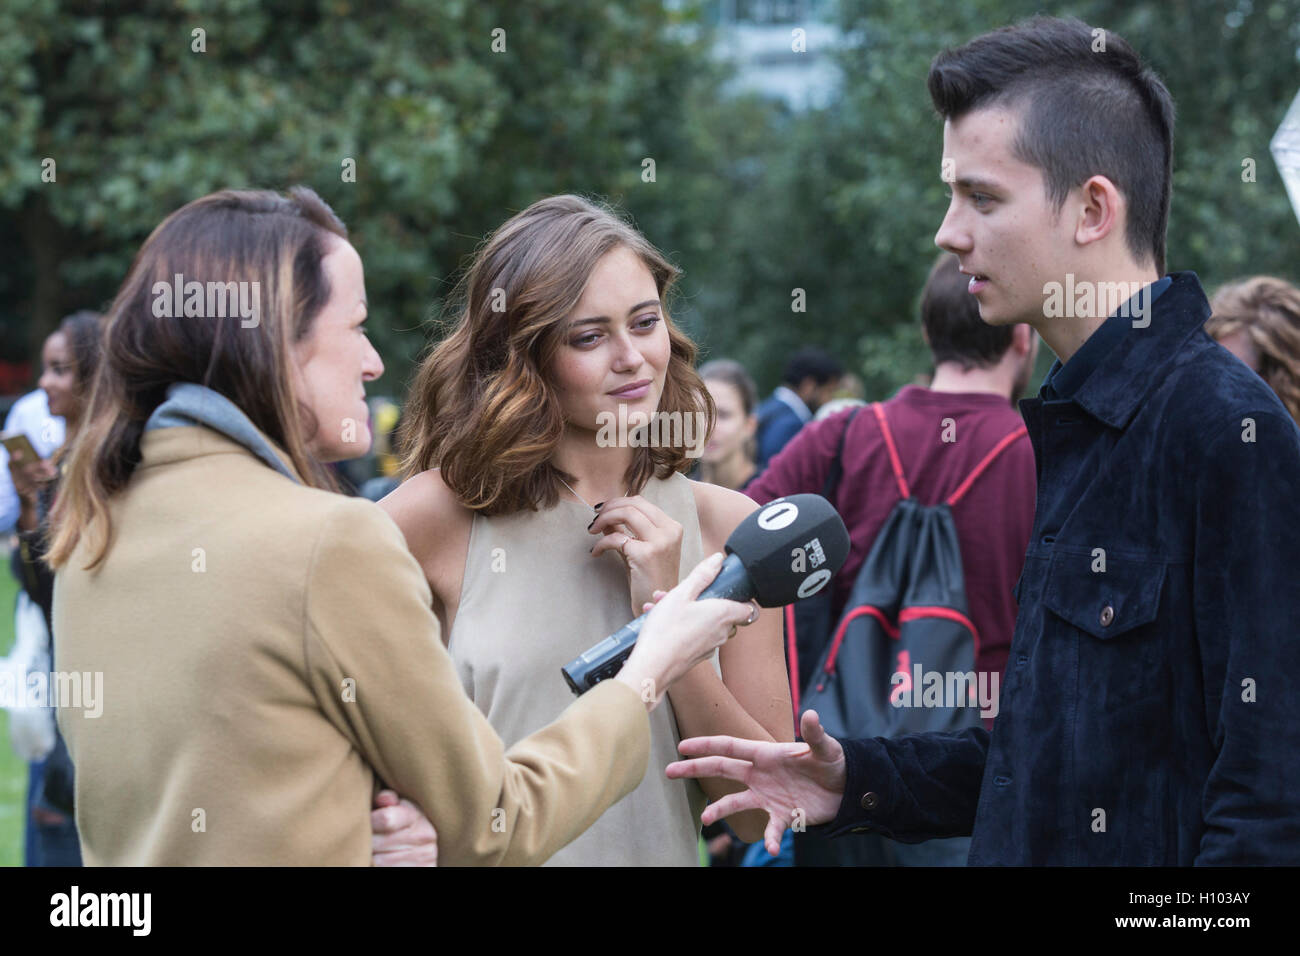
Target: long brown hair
1268	309
483	408
227	237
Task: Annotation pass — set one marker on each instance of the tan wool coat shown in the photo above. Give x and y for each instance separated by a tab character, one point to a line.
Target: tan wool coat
269	657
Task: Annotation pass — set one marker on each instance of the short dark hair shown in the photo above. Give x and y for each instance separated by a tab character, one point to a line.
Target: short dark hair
1088	112
951	319
811	362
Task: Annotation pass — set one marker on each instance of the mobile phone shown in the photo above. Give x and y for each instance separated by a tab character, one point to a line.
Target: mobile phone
19	446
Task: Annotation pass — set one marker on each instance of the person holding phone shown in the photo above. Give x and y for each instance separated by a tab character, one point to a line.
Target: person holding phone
268	649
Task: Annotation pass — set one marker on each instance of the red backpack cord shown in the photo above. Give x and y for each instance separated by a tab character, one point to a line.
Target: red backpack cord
1000	447
894	461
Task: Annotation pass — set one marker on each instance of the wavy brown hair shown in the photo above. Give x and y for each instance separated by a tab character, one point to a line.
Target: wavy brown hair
229	236
1268	309
483	407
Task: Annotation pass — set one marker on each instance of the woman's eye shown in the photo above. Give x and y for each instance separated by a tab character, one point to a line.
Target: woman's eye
589	339
647	322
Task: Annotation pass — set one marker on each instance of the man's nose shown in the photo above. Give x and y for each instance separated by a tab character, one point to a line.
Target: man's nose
952	235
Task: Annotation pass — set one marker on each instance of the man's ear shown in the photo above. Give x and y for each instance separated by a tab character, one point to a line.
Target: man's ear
1103	210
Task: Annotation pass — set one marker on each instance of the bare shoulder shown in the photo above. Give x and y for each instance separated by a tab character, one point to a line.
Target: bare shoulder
720	510
436	527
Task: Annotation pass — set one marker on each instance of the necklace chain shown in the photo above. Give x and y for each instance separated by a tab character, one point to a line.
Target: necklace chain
574	493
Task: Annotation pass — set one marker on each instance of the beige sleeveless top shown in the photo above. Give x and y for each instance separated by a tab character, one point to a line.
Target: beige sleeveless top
532	600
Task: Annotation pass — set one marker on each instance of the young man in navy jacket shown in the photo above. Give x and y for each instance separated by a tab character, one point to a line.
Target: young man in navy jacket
1150	712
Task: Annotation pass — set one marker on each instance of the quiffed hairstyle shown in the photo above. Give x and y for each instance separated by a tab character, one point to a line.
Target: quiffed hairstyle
1268	309
1090	108
482	407
951	319
227	237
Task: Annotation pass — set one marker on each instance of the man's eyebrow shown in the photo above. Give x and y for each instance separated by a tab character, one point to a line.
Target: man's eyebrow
604	319
973	182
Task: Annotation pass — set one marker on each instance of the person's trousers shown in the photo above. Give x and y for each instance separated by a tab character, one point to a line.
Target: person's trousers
47	845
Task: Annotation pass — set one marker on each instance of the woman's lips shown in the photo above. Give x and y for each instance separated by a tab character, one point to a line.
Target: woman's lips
976	284
639	391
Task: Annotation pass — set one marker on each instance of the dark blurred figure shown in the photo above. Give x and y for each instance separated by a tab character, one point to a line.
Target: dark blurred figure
809	381
1258	320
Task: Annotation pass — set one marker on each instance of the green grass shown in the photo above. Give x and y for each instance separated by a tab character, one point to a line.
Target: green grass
13	770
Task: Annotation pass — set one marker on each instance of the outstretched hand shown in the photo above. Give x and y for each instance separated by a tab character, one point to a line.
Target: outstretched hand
791	781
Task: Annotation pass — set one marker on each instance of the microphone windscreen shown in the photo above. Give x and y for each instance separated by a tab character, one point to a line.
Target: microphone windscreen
791	547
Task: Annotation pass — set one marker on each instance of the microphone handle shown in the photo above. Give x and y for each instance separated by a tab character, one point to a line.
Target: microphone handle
606	659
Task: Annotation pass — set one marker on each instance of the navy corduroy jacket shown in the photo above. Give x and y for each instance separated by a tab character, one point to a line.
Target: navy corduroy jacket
1150	709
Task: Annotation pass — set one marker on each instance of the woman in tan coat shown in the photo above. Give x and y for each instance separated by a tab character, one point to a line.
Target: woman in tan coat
268	650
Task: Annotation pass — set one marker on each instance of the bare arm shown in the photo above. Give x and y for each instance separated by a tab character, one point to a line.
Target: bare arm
752	698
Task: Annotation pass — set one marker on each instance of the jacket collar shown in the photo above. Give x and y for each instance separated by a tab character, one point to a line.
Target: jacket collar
1119	386
188	404
165	446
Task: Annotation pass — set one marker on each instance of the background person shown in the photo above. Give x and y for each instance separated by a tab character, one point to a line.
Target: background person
728	457
980	370
1258	320
809	381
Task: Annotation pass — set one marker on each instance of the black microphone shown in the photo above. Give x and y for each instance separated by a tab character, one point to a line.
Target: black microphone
783	552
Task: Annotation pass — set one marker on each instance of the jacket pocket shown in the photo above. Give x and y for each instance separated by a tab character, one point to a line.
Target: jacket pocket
1106	604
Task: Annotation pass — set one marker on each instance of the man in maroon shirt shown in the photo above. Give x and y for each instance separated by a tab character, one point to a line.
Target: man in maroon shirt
942	433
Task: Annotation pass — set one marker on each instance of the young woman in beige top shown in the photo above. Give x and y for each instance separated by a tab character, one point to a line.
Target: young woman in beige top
532	493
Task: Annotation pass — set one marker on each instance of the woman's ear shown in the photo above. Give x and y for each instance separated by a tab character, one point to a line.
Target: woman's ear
751	425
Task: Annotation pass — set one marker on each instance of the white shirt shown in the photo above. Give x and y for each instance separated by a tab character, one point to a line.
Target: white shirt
792	399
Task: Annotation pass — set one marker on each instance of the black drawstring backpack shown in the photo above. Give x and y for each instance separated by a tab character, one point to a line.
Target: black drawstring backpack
906	620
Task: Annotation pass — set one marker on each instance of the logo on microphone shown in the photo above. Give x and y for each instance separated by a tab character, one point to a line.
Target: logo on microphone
779	514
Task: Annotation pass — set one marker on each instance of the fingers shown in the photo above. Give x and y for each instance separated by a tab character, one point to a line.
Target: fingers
729	612
823	744
772	835
695	582
613	541
631	518
656	515
727	767
720	747
390	819
730	803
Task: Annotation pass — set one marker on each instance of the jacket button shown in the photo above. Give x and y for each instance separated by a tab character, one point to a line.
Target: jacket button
1107	615
870	801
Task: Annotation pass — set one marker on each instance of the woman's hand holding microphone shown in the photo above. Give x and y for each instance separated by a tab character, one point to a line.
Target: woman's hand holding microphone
680	631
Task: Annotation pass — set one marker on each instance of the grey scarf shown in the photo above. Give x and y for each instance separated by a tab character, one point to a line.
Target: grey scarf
188	404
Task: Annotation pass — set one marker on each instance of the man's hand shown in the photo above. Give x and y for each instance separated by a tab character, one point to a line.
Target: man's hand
783	779
400	834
